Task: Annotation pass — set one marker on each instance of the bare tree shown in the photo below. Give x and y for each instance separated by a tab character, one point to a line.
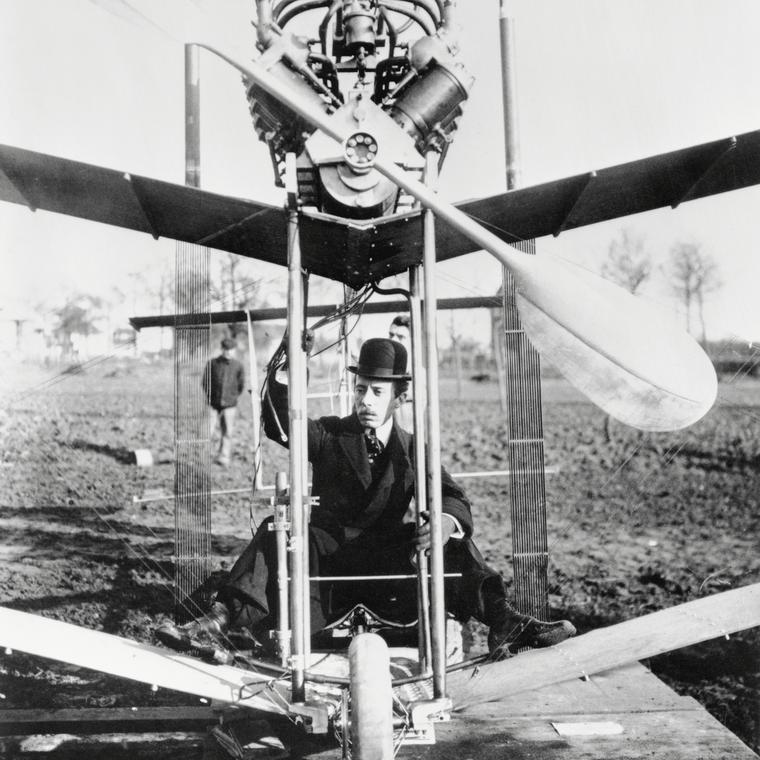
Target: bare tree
78	316
627	263
693	274
235	286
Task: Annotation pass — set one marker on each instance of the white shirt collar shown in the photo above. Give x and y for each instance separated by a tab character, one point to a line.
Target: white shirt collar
383	433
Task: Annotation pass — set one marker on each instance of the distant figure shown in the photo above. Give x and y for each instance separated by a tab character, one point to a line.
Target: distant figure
399	331
223	382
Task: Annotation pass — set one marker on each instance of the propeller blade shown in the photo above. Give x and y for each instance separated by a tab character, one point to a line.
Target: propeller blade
620	351
606	342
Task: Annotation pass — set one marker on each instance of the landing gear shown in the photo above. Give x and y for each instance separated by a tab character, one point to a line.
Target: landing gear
371	709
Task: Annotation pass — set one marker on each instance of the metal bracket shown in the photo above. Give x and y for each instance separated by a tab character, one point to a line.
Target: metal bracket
427	712
423	717
313	716
281	520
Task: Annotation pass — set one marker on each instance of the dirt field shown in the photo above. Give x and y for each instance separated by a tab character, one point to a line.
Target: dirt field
636	523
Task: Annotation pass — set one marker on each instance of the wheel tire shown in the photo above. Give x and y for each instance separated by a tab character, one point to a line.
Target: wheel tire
371	698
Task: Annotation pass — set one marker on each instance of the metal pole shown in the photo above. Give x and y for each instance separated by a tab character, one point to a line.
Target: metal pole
192	116
297	429
420	495
253	381
344	386
433	426
280	525
509	94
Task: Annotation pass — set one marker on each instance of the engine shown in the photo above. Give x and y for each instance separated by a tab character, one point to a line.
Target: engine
387	68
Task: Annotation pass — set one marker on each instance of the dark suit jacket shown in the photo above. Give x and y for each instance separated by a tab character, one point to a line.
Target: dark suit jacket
223	381
341	477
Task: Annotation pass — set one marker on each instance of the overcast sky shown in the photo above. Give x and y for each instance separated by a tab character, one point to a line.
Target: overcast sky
599	83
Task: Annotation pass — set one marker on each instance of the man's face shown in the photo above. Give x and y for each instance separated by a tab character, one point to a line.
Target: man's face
401	334
374	401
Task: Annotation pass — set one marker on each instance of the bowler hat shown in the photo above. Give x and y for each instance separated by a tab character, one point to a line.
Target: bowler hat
228	343
381	359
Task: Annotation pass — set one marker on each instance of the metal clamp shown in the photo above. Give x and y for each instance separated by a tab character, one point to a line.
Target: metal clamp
313	716
427	712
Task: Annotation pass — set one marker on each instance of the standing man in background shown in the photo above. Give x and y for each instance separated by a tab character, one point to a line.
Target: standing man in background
223	382
400	331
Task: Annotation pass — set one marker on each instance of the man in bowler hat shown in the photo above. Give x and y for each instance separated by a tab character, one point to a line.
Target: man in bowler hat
363	474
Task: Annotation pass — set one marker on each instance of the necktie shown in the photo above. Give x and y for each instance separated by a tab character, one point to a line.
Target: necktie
374	447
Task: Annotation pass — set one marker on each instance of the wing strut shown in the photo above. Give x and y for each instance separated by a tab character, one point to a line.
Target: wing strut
568	218
722	150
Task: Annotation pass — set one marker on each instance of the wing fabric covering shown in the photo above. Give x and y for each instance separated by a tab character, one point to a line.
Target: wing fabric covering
121	657
646	184
627	356
605	648
159	208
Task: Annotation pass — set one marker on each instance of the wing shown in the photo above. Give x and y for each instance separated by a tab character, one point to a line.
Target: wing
667	179
161	209
606	648
358	252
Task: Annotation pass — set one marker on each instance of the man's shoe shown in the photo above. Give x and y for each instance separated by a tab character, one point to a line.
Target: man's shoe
204	635
510	631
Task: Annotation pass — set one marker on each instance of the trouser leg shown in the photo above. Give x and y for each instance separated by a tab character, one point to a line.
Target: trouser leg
390	553
227	425
212	418
251	592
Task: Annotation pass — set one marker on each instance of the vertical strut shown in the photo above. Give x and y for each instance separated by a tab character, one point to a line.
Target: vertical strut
433	459
344	388
419	383
299	567
280	526
253	383
527	484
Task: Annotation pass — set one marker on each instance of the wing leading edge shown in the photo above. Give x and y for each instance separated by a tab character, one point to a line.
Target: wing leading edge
357	252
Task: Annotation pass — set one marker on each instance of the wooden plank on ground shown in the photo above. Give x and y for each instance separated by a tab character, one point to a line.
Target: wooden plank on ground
133	746
662	735
624	713
86	720
631	688
606	648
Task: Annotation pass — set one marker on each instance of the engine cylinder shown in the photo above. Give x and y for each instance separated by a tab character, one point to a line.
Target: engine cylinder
433	99
274	122
359	19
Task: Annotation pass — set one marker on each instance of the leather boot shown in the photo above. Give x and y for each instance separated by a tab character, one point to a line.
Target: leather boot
202	634
510	630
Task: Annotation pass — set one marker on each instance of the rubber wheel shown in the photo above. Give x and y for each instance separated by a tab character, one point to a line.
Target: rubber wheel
371	698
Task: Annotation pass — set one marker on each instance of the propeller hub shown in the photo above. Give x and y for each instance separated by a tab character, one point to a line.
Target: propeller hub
360	151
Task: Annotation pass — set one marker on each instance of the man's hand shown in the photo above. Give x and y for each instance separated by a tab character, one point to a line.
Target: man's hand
422	537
